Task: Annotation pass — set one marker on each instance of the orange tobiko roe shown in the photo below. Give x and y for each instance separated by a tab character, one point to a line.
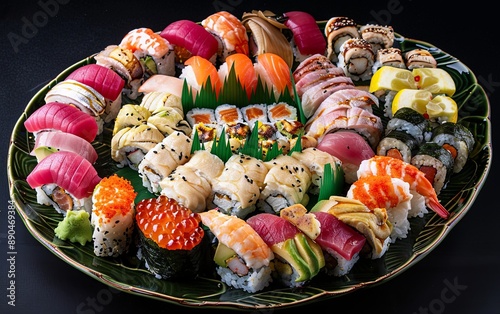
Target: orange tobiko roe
168	223
114	195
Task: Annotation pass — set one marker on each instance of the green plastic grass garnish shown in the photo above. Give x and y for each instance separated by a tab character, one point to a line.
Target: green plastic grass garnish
332	182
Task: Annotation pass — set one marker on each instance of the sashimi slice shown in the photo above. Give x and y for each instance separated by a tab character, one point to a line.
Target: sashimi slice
62	117
163	83
348	146
50	142
67	170
104	80
338	236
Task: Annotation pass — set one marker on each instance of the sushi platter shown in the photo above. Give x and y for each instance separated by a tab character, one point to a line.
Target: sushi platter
208	195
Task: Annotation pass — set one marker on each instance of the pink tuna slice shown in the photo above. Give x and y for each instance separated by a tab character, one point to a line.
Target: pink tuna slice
62	117
67	170
348	146
104	80
306	33
338	236
63	141
271	228
191	36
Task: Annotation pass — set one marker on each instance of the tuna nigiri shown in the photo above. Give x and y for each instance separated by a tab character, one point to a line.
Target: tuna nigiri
190	39
62	117
106	81
50	142
64	180
307	35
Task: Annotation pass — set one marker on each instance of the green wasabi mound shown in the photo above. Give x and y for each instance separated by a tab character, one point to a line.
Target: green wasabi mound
75	227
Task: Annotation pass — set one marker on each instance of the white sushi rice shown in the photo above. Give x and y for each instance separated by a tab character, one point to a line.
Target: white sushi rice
254	281
344	265
459	145
43	198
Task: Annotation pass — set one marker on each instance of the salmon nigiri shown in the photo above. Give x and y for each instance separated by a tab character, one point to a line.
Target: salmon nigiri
197	72
274	73
244	70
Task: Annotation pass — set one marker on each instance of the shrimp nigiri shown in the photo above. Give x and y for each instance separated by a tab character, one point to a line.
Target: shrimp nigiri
396	168
274	73
229	32
243	69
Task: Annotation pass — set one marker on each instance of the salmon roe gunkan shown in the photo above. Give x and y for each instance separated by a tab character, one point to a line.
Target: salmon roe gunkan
168	223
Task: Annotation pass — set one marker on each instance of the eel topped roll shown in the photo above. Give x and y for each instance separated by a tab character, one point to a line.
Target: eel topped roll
112	216
337	31
357	57
172	241
242	257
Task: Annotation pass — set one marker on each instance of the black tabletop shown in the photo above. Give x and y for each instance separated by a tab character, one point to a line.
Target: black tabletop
41	38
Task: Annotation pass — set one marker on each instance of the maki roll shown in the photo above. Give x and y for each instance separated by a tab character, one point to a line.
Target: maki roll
412	122
379	36
130	115
391	56
436	162
419	58
174	150
242	257
171	240
237	189
297	258
357	57
337	31
286	183
397	144
131	144
112	216
457	139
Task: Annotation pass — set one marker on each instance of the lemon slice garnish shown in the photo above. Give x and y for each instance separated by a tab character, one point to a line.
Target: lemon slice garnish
443	108
413	98
391	78
435	80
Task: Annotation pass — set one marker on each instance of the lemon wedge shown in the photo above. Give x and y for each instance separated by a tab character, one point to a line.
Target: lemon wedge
442	108
391	78
413	98
435	80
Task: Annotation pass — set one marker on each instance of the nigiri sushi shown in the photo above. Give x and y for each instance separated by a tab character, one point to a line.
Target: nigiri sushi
242	257
64	180
62	117
244	70
391	193
307	36
172	242
198	71
274	73
190	39
49	142
112	216
297	258
106	81
230	33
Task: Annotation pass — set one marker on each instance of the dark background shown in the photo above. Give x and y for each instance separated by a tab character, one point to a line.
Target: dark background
469	256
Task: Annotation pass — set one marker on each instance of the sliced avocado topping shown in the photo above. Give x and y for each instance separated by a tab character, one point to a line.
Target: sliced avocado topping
222	254
311	252
43	151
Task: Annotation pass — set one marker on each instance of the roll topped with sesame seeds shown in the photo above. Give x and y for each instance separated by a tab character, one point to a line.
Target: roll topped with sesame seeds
112	216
